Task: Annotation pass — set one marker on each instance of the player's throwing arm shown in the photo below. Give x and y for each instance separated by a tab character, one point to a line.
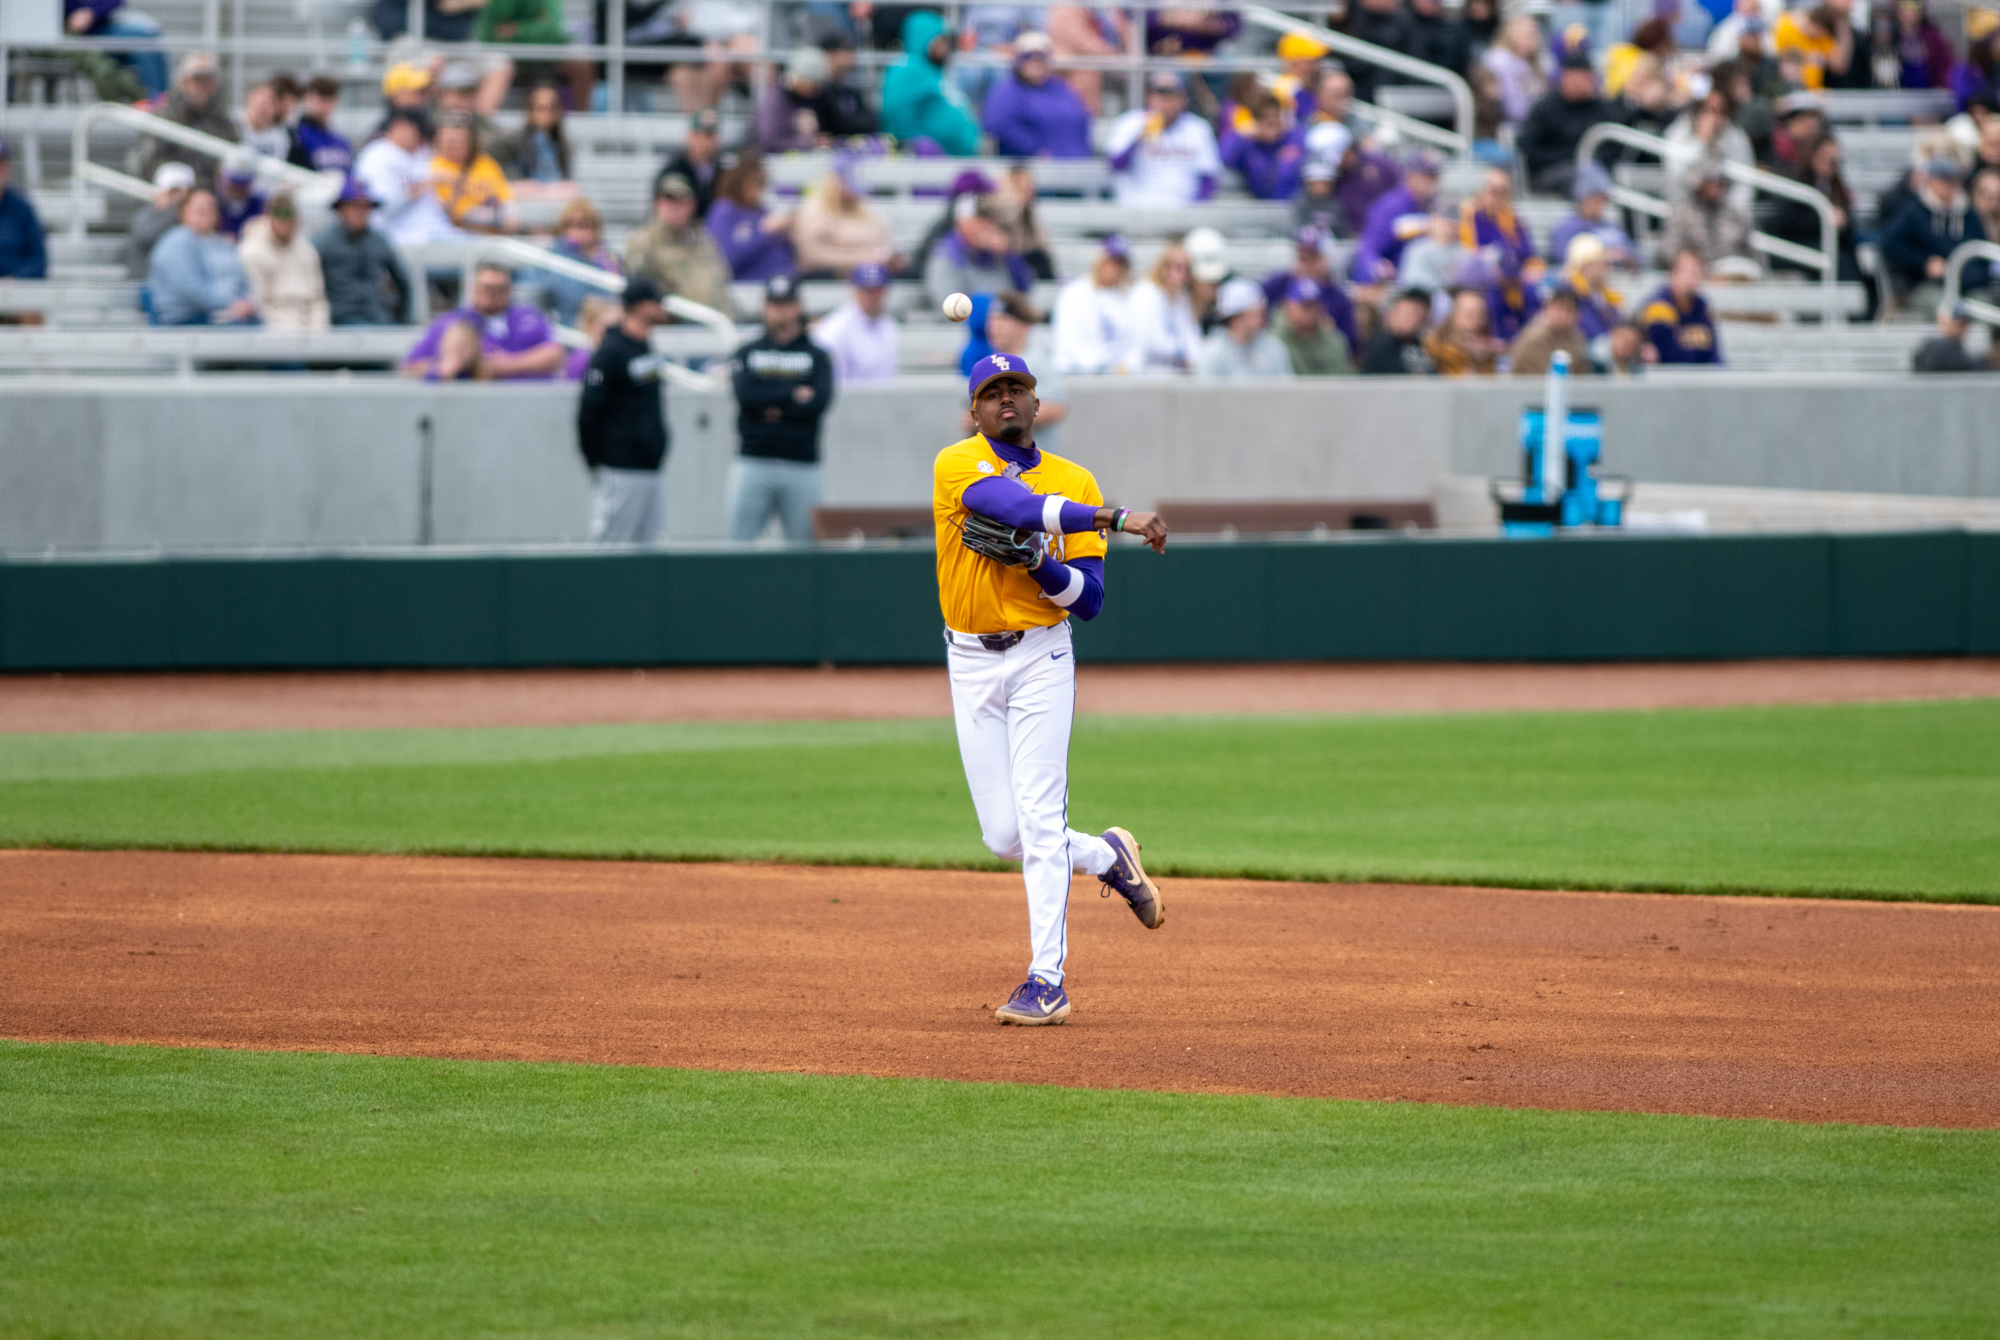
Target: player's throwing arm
1021	538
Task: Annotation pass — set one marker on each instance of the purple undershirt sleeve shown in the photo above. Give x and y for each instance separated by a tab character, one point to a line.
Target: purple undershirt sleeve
1206	190
1012	503
1082	580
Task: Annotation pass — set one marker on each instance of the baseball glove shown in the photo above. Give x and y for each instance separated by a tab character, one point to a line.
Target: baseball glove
1002	543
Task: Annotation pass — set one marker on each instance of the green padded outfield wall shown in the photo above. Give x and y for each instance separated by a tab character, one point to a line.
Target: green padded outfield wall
1572	598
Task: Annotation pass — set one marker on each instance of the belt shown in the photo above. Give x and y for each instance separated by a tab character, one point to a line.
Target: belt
990	641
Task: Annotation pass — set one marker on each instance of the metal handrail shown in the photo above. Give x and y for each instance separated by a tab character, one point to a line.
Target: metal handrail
314	188
1370	54
1960	254
1404	124
1826	260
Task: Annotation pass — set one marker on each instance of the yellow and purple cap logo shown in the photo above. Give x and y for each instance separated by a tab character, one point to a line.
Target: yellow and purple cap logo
996	365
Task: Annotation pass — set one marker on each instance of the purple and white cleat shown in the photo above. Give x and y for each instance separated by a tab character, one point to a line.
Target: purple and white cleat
1127	878
1035	1002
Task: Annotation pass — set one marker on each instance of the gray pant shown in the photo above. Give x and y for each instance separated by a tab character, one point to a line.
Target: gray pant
625	506
759	486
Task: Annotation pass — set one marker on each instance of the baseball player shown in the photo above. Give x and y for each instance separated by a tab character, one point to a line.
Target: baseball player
1020	548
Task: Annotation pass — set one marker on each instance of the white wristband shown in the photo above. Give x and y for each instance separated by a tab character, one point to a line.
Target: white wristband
1052	513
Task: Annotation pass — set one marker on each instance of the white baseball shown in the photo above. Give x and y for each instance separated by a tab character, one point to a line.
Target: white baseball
957	307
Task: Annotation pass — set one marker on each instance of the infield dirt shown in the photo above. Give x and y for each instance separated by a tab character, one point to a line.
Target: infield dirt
1795	1009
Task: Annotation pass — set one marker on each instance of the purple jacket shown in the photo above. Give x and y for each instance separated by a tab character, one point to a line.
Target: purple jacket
100	12
1270	171
751	252
777	122
1968	83
514	331
1476	232
1396	220
1339	307
1358	188
1029	121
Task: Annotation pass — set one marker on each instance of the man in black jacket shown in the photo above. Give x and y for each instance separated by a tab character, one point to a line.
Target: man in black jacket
1554	126
699	160
784	385
365	283
1386	24
621	424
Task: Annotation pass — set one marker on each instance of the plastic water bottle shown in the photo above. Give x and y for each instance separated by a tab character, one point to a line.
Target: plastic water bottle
357	46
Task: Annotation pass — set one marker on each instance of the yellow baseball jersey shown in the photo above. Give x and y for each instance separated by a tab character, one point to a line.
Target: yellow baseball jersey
977	594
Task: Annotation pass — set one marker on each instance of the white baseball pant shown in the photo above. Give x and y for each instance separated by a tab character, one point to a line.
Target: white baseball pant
1014	709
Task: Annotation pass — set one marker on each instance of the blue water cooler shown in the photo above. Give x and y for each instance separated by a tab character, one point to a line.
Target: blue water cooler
1560	486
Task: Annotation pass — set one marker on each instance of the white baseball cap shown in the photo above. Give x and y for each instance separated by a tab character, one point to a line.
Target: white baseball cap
1237	297
173	177
1207	259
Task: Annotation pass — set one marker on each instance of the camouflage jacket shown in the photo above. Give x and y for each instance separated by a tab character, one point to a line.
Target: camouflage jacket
682	261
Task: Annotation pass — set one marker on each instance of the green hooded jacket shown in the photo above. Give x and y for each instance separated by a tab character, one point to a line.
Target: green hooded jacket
918	101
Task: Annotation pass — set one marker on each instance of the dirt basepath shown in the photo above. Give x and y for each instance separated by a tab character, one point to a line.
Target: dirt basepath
309	701
1811	1011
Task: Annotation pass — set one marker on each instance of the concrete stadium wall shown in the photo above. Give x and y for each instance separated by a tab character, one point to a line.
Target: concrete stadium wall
1604	597
287	462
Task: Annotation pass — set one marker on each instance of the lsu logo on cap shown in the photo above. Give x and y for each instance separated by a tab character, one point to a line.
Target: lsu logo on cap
1000	363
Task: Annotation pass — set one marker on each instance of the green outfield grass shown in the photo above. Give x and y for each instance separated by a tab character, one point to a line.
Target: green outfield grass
1881	801
184	1193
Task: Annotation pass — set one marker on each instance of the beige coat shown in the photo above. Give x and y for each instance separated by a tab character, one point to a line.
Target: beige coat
290	287
683	262
1537	343
827	239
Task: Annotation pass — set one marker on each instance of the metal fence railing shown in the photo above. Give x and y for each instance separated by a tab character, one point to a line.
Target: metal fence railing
1954	278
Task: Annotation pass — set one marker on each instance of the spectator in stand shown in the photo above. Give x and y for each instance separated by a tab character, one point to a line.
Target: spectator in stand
1707	132
1707	221
1651	42
843	111
1985	195
1946	352
918	102
991	30
1592	193
1489	117
536	23
1269	157
860	335
396	170
1009	324
1032	114
1675	321
1926	230
1625	352
1080	30
24	251
518	342
1093	319
580	238
1978	75
171	185
676	254
110	18
1365	176
261	127
1396	220
1442	38
621	423
1906	49
788	113
1315	348
1386	24
1823	38
1553	330
194	103
1464	346
757	243
1798	222
594	316
836	231
1208	270
459	90
468	183
1512	298
536	157
974	256
1240	346
283	269
316	145
1165	336
1584	276
1647	102
1162	156
1309	261
1519	61
698	163
1547	140
236	194
1433	261
1487	224
784	386
1013	206
196	278
1315	206
1397	349
364	280
406	87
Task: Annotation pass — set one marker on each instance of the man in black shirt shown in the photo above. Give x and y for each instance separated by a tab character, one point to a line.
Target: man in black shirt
784	384
1548	136
621	424
1397	349
1947	353
698	160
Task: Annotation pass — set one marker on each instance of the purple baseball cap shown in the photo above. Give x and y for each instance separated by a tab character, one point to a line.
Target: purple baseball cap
352	191
996	365
869	275
1117	248
847	167
971	182
1301	289
1309	237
